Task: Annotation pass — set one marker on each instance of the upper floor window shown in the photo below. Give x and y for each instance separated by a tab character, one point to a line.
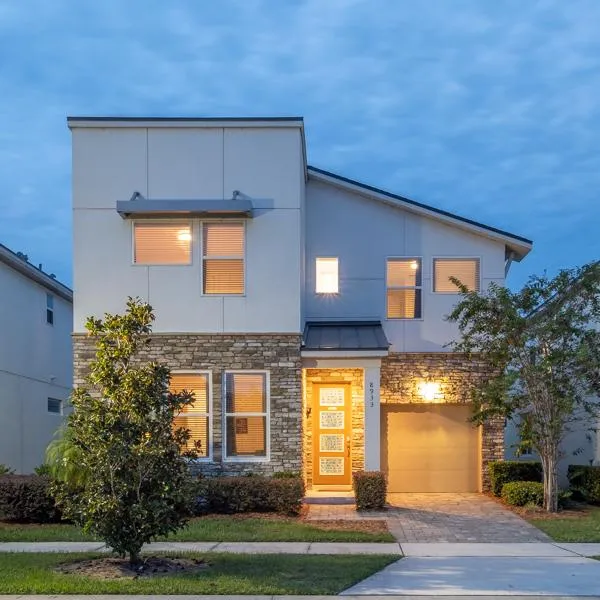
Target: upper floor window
327	278
246	414
162	243
55	406
466	270
404	291
50	309
196	417
223	258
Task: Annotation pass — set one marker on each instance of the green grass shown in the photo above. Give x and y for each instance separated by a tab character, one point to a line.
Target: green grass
207	529
228	574
583	528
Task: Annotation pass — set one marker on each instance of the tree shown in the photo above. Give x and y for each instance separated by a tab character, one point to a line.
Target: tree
543	347
119	465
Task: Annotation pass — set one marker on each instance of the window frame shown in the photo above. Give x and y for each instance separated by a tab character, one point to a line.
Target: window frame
337	260
188	222
416	287
448	257
61	405
201	224
267	415
209	457
50	309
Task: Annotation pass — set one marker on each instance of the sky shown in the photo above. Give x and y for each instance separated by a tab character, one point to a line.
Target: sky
489	109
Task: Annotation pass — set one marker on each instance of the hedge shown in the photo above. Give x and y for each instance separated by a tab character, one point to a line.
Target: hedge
585	480
520	493
370	489
27	499
506	471
249	494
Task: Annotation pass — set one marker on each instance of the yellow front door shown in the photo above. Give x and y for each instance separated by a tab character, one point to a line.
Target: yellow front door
332	434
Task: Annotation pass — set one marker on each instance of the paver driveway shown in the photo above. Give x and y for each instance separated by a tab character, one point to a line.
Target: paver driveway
417	518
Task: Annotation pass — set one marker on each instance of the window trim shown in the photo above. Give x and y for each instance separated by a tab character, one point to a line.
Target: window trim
267	414
421	287
188	222
454	257
209	457
61	402
317	259
201	224
50	308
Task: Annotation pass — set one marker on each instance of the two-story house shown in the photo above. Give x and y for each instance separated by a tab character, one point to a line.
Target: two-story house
305	310
36	367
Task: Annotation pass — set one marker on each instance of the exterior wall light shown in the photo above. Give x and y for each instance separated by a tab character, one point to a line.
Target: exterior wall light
429	390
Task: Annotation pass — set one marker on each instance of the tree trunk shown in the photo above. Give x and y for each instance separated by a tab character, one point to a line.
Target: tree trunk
550	468
135	558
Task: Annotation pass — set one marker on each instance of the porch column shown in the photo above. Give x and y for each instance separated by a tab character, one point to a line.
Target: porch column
372	419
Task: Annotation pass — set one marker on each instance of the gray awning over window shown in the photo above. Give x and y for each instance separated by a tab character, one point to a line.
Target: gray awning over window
141	207
344	335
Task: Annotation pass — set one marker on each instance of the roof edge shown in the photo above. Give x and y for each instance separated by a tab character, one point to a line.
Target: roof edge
123	121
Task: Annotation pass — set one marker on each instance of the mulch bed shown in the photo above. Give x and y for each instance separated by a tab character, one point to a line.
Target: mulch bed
574	510
121	568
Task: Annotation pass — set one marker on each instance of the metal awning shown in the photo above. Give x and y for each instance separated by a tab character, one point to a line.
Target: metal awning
139	206
344	336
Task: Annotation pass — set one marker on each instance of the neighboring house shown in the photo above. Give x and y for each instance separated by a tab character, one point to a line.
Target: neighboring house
305	310
36	368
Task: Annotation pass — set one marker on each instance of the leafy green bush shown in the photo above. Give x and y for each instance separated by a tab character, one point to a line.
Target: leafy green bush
585	481
370	489
249	494
43	469
521	493
286	475
506	471
4	470
27	499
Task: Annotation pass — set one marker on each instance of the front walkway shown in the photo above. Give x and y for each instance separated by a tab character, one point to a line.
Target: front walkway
418	518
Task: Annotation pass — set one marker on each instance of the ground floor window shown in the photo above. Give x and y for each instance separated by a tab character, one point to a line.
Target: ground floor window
246	431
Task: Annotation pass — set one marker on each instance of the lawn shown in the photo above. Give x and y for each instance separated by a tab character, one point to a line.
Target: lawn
212	529
227	574
580	526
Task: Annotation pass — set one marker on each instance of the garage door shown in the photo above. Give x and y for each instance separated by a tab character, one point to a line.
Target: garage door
430	448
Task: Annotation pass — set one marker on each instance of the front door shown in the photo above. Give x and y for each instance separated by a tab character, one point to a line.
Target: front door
332	429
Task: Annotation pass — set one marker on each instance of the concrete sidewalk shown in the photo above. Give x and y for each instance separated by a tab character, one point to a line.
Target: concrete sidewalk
212	597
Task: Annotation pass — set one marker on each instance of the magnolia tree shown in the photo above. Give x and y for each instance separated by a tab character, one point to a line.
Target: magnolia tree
120	470
543	346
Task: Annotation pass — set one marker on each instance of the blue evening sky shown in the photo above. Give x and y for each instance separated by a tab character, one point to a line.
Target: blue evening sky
490	109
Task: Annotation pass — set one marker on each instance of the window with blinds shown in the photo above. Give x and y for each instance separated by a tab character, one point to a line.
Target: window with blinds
194	417
162	243
223	258
403	288
466	270
246	414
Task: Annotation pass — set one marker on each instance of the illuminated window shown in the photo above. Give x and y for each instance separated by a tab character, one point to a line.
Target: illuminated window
194	417
162	244
327	276
223	258
466	270
403	288
246	415
50	309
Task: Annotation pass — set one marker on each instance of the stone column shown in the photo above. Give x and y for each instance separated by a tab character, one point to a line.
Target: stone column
372	419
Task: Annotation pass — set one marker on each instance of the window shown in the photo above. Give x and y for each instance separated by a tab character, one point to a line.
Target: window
403	280
50	309
466	270
194	417
223	258
162	243
246	415
327	276
55	406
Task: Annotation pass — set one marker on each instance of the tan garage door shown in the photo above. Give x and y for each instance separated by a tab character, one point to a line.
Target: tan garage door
430	448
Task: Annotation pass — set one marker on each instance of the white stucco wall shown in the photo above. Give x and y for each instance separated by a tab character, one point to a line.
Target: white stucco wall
362	233
35	364
109	164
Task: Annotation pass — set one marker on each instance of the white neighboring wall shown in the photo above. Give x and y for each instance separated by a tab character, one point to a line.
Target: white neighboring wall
35	364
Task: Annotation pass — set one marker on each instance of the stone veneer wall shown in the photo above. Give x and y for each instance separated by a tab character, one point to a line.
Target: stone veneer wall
355	377
277	353
456	373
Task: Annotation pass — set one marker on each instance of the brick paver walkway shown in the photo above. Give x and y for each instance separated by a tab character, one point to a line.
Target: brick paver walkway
442	518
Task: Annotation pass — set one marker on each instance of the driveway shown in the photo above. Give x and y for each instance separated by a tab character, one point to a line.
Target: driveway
426	518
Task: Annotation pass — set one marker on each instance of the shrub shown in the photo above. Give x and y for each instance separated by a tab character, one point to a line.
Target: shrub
370	489
507	471
43	469
249	494
585	481
286	475
4	470
521	493
27	499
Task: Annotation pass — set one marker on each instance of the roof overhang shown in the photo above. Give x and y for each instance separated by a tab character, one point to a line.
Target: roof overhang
238	208
344	339
515	244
